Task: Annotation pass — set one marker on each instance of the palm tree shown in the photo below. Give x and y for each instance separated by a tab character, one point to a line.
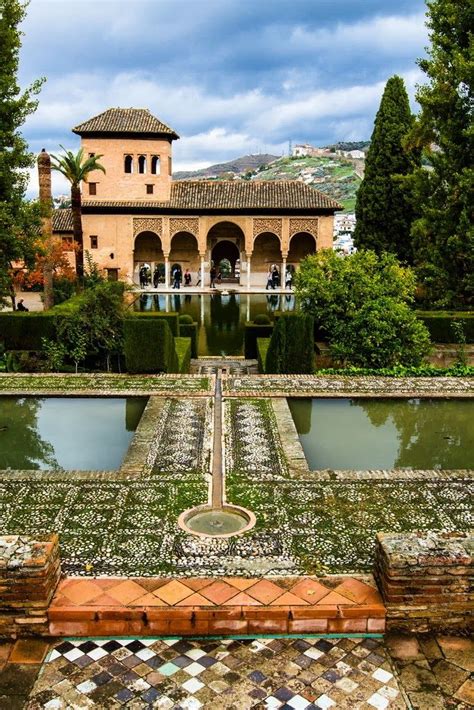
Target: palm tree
76	169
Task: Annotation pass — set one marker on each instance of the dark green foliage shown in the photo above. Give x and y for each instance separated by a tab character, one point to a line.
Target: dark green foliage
19	220
363	303
24	361
149	346
185	318
251	333
440	325
401	371
262	319
23	331
171	318
262	350
63	289
291	349
189	330
183	354
383	210
444	231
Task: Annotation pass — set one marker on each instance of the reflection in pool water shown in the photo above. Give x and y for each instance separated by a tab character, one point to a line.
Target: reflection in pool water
220	317
67	432
362	434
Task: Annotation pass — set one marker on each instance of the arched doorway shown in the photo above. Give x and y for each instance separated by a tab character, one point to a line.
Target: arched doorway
225	255
226	241
148	252
184	251
266	252
301	244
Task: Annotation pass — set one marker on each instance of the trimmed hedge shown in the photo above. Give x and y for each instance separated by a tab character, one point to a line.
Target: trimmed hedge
183	354
23	331
262	349
190	330
252	331
439	324
291	349
149	346
171	318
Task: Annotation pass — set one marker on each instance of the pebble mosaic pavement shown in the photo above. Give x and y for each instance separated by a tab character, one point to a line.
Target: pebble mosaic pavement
231	674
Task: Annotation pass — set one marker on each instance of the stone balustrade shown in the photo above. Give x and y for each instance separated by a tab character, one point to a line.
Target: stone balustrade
426	580
29	574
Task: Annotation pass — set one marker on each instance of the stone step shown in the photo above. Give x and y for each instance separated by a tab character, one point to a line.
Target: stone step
92	607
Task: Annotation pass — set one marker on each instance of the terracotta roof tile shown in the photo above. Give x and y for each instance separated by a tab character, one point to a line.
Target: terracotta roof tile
125	120
62	220
221	195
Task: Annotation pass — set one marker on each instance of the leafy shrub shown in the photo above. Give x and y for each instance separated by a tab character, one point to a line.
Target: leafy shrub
185	318
149	346
362	302
291	348
24	361
261	319
401	371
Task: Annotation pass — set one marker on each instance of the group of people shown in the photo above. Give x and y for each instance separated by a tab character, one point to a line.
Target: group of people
146	278
177	277
273	277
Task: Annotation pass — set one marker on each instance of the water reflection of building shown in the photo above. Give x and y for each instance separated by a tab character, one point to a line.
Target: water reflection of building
135	214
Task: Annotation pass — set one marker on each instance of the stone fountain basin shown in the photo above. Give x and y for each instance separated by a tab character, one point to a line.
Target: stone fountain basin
227	521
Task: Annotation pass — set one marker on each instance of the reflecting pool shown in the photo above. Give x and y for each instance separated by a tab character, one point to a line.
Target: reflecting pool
220	317
365	434
67	432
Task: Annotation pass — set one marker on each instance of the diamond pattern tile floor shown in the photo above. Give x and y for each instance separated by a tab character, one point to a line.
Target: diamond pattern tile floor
300	674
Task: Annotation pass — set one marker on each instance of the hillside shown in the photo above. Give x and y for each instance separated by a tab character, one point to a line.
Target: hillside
237	166
335	176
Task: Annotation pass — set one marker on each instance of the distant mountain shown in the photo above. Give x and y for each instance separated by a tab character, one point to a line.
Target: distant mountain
237	166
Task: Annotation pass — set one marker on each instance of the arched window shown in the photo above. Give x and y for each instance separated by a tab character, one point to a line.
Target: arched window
142	164
155	165
128	164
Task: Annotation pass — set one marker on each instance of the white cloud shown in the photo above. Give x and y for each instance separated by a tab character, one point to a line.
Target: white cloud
395	35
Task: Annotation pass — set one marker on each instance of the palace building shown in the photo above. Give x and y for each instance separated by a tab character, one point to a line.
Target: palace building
135	213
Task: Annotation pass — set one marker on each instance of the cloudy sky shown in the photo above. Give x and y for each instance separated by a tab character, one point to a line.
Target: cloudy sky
230	76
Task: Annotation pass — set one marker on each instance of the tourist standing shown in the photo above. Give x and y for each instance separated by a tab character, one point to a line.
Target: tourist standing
187	278
177	277
288	278
269	279
213	274
156	277
275	276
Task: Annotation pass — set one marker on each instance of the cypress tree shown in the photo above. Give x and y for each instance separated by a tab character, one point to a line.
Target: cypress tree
443	233
19	220
383	210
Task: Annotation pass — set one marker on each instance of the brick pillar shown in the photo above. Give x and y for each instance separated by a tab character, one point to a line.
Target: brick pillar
30	569
426	580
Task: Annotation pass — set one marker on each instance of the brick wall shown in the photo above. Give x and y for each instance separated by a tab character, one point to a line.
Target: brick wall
426	580
29	574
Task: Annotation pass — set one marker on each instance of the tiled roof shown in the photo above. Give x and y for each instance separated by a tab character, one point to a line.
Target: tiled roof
62	220
125	120
221	195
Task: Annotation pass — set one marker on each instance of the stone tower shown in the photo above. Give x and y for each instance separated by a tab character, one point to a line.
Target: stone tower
46	199
136	150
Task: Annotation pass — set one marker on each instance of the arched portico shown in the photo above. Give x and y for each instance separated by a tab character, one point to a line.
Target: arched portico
147	250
